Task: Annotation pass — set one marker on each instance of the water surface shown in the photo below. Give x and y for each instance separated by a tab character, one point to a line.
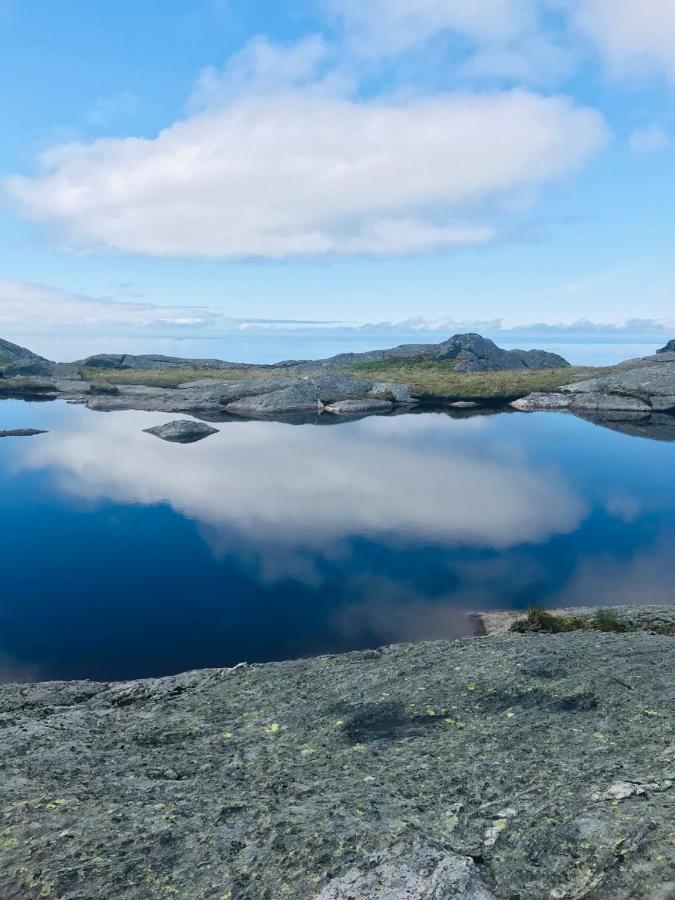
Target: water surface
125	556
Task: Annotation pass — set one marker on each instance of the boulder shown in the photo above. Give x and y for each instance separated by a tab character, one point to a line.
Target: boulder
300	398
182	431
359	407
337	386
537	401
669	348
389	390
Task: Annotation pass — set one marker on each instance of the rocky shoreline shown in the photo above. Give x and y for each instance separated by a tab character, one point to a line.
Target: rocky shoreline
530	766
637	396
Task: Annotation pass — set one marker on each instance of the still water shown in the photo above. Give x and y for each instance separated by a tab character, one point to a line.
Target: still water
123	556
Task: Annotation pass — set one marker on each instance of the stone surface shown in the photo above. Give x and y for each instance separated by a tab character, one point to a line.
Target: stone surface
474	353
669	348
300	398
11	353
21	432
182	431
389	390
351	776
359	407
539	401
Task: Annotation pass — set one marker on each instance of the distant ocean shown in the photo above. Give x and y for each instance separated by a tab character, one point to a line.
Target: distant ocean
269	348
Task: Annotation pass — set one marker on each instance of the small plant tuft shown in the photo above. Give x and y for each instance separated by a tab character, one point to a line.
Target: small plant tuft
540	620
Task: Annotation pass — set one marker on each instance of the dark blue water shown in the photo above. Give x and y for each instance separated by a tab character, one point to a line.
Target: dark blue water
124	556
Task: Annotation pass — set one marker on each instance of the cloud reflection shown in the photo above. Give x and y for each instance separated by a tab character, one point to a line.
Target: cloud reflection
289	493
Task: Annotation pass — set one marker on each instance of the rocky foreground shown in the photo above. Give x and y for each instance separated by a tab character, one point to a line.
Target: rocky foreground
512	766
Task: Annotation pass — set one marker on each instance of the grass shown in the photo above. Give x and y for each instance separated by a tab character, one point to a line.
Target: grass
172	376
437	379
25	386
539	620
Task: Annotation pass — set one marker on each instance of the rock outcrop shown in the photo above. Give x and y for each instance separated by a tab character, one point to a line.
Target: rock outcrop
182	431
525	766
473	353
669	348
638	388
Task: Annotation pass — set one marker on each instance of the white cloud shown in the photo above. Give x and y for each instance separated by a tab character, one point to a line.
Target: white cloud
390	26
503	38
107	110
302	171
650	140
327	485
32	307
634	36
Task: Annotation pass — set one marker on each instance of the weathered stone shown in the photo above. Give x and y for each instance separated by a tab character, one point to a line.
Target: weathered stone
389	390
358	407
300	398
465	404
430	875
474	353
36	366
364	775
182	431
669	348
538	401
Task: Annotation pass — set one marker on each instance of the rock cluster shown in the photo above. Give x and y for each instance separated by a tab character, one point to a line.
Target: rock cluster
639	387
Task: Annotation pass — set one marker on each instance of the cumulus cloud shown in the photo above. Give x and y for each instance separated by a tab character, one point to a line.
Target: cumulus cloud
650	140
503	38
634	36
301	171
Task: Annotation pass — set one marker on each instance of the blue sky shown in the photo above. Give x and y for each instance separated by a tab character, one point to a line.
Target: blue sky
198	164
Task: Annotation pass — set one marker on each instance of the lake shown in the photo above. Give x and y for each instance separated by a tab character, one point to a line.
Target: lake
124	556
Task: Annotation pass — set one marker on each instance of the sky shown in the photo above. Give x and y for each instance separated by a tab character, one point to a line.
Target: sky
207	166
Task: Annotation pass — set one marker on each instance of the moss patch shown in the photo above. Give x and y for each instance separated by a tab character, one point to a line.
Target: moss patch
172	376
437	379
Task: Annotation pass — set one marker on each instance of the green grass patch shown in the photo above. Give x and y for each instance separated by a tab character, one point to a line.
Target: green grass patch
437	379
539	620
13	386
172	376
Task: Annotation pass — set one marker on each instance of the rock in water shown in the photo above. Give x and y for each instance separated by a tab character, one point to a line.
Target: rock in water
182	431
358	407
21	432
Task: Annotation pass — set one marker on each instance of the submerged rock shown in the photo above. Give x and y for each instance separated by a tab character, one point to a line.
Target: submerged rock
451	769
182	431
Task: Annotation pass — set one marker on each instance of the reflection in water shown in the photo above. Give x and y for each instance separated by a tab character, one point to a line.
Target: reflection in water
285	490
129	556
